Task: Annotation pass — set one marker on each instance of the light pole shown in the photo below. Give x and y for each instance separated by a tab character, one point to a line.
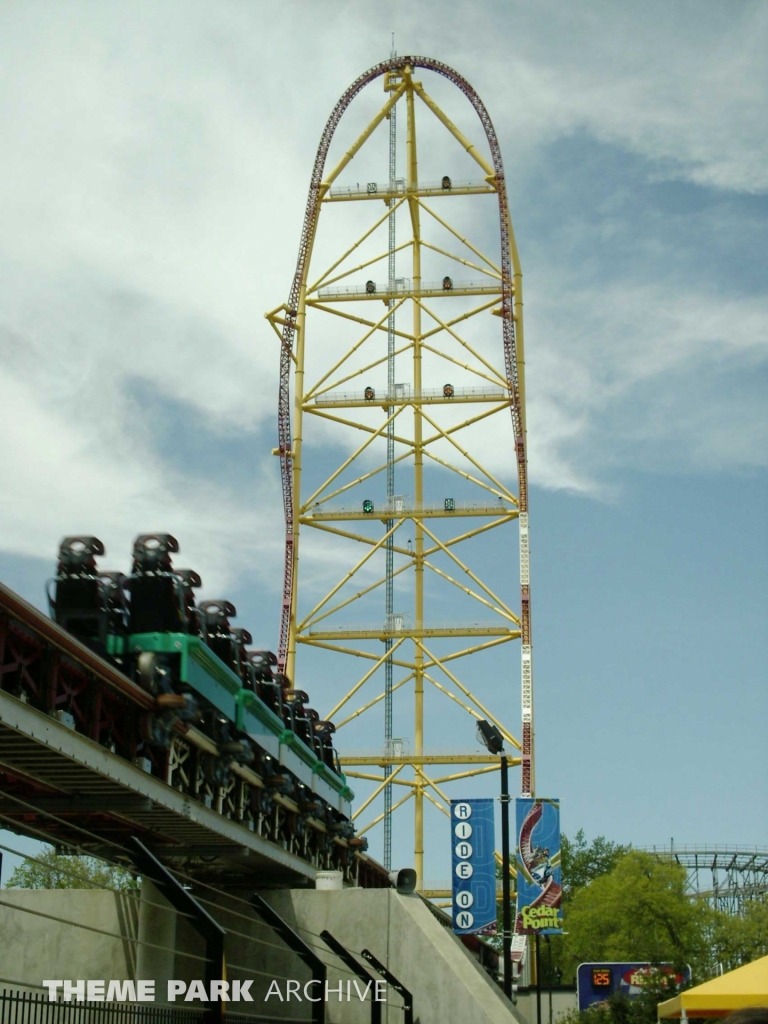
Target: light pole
491	738
538	978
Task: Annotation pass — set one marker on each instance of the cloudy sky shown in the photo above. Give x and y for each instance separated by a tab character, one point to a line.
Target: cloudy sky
155	164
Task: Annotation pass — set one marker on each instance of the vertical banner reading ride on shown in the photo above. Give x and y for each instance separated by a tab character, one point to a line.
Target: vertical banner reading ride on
539	886
474	867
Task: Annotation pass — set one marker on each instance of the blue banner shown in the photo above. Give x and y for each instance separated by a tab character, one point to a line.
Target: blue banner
539	883
474	867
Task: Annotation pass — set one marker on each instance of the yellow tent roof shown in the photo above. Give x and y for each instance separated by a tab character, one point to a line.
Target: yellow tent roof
746	986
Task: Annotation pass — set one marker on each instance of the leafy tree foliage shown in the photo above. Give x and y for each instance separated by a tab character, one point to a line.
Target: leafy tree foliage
638	911
50	870
706	939
621	904
583	862
740	940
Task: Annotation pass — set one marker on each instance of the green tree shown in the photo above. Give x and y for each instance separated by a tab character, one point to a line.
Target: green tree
639	911
652	898
740	939
621	904
627	905
51	870
583	862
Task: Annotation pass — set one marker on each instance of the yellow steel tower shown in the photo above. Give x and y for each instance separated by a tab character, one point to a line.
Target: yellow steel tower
445	327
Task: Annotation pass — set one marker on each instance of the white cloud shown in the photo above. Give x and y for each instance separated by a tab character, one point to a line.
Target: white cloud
681	84
76	482
155	165
635	363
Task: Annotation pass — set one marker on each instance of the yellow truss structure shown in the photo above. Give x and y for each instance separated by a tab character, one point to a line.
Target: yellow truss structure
427	434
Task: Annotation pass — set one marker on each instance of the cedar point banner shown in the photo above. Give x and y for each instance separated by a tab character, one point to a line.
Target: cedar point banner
539	884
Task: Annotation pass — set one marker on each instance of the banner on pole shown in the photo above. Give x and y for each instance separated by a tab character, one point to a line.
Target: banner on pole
539	881
473	867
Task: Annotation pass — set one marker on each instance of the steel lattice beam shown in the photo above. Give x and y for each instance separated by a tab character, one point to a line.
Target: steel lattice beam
500	289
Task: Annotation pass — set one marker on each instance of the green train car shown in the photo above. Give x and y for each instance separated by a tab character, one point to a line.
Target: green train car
205	679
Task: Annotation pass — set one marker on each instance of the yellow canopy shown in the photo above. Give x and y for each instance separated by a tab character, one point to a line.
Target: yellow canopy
746	986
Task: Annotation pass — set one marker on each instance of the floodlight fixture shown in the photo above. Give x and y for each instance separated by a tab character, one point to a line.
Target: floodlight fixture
490	736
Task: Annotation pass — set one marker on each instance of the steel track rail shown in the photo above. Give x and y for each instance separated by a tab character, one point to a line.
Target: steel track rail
35	620
64	762
60	783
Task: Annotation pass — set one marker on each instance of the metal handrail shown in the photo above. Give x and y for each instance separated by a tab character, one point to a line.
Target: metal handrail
406	506
404	393
403	287
348	959
704	848
182	900
398	187
406	626
294	942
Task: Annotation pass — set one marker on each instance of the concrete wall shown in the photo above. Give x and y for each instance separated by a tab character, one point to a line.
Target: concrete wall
93	934
254	953
33	947
448	985
562	1001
